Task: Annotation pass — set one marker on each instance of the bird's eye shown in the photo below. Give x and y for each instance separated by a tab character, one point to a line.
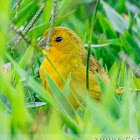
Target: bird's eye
58	39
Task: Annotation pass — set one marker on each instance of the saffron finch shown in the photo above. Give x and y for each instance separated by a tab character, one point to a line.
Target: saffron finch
68	55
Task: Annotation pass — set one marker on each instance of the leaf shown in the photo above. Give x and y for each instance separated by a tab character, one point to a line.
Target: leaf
60	98
132	7
39	30
133	44
112	69
19	113
121	8
66	89
25	13
97	45
74	21
70	114
117	21
5	102
35	104
138	23
127	43
24	61
107	28
47	11
137	82
67	6
44	94
122	74
110	99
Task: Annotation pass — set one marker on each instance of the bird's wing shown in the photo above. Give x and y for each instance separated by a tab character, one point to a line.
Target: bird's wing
94	67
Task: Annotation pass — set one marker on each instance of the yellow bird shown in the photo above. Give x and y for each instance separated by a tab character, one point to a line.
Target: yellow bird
68	55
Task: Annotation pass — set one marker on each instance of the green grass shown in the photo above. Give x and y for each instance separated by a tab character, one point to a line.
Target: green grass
28	111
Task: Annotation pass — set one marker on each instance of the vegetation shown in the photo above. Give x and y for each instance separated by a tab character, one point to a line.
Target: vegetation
28	111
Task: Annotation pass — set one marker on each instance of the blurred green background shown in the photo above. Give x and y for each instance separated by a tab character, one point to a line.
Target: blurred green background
27	111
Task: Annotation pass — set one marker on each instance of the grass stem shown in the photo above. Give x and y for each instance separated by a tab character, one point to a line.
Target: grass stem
89	43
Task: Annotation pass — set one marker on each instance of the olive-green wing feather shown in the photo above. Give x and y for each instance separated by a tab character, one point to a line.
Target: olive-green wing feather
94	67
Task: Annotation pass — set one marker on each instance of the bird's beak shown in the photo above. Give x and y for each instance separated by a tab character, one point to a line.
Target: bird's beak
42	43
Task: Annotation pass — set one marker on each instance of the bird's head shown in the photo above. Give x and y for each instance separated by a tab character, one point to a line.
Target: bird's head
63	39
